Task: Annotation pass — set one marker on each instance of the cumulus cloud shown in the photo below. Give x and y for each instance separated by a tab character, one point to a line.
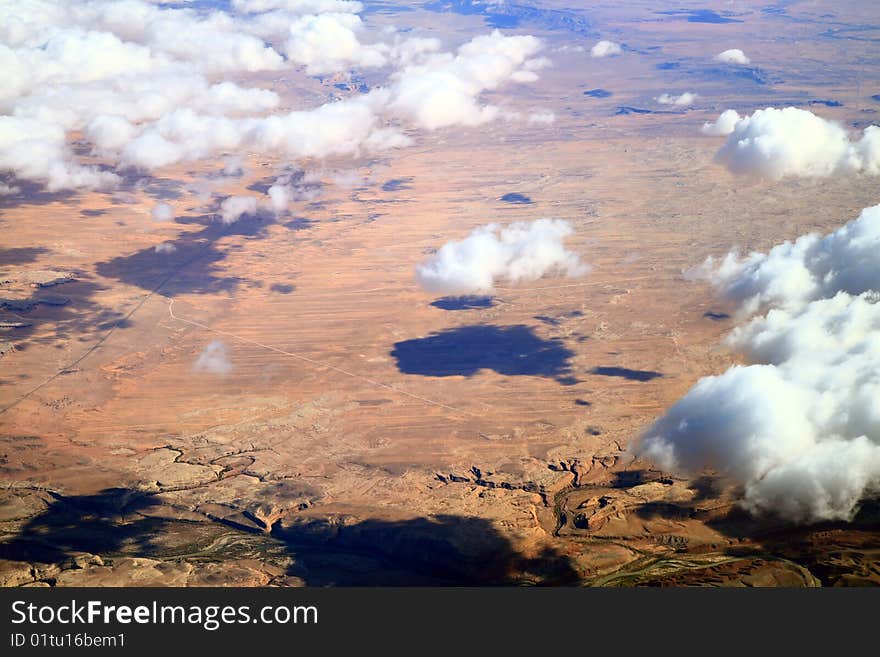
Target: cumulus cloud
279	198
162	212
520	252
682	100
812	267
723	125
345	127
794	142
799	426
33	150
234	207
165	247
605	49
733	56
443	89
290	188
544	117
214	359
138	80
298	6
311	34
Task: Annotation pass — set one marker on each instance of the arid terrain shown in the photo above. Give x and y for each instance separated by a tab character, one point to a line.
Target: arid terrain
366	432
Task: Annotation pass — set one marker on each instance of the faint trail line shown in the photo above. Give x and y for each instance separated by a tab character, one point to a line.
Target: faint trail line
119	322
316	363
559	287
397	288
549	287
86	354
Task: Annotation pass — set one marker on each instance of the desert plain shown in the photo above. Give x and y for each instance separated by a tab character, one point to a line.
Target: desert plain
363	431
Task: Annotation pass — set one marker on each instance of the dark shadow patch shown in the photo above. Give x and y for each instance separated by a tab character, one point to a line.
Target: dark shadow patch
352	86
502	21
162	189
510	14
421	551
467	302
83	523
298	223
863	32
192	266
261	186
667	510
71	316
668	66
21	255
464	351
700	16
582	402
93	213
623	110
550	321
715	316
827	103
206	219
631	478
598	93
516	198
396	184
435	550
289	176
626	373
282	288
736	72
26	192
705	488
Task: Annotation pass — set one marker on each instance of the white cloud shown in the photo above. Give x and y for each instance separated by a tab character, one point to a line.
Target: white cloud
443	89
812	267
110	132
543	117
682	100
769	430
733	56
139	81
793	142
723	125
605	49
234	207
799	427
233	167
516	253
311	35
298	6
33	150
165	247
214	359
162	212
279	198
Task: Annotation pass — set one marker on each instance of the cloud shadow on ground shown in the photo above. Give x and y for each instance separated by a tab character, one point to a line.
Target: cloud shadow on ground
509	350
626	373
468	302
436	550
